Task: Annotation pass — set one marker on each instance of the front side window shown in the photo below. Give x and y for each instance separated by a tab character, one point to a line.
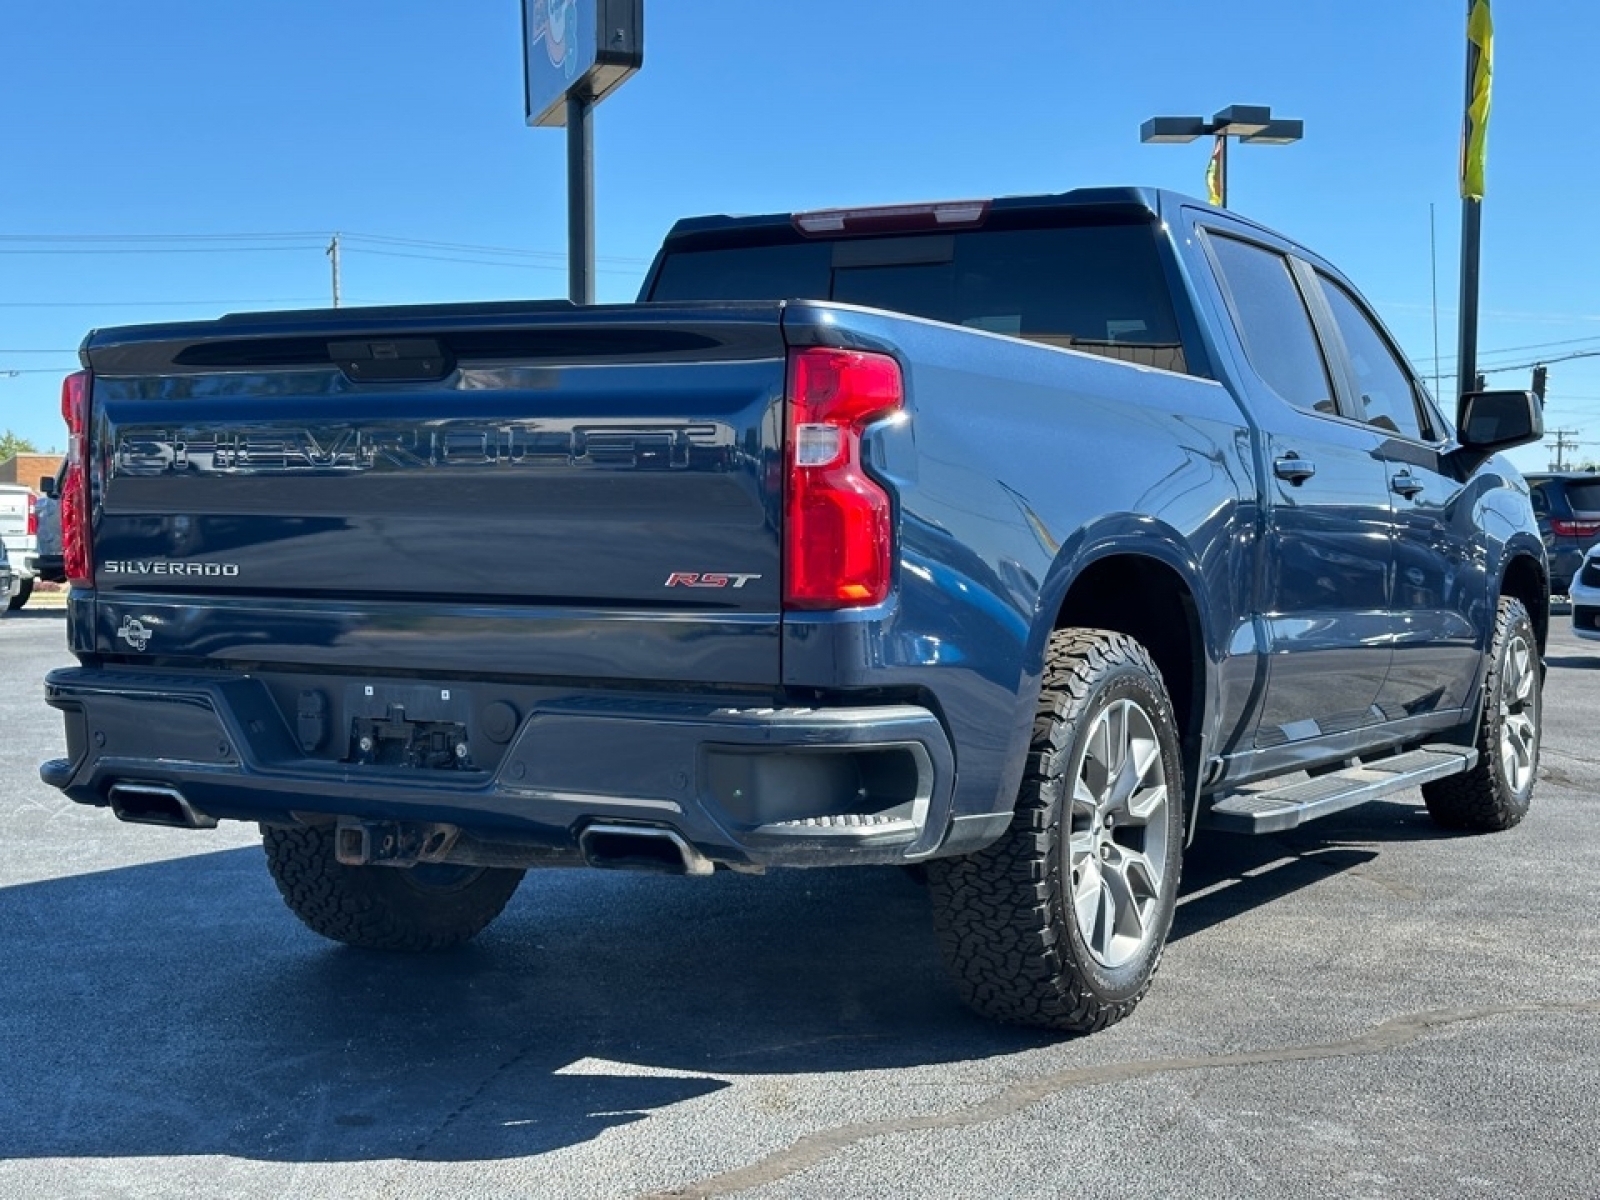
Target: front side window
1274	324
1387	397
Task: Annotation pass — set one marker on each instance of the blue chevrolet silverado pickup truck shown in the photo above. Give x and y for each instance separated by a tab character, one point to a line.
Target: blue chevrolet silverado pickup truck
1014	540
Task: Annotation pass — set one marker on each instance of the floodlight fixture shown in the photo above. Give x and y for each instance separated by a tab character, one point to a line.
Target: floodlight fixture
1173	129
1246	122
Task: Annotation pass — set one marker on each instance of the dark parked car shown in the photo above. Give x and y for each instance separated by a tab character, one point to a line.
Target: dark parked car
1568	509
52	568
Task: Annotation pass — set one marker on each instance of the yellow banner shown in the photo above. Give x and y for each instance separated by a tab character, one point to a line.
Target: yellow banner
1216	184
1480	73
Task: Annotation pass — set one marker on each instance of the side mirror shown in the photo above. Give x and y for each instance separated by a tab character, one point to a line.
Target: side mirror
1489	422
47	486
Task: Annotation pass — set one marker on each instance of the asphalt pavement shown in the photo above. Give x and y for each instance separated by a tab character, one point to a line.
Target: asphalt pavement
1365	1007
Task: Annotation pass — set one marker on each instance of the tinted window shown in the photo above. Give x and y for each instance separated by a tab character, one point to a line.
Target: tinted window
1387	397
1096	288
1584	496
746	273
1537	497
1274	325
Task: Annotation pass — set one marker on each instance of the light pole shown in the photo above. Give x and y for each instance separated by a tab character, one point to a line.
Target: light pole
1247	122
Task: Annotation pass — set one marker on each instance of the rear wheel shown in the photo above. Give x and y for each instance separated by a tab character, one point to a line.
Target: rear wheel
427	907
23	592
1061	923
1496	793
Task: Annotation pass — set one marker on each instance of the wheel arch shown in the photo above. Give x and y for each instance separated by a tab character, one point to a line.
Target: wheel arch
1526	578
1148	593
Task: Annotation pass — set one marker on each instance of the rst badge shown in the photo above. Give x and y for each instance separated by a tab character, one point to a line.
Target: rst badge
708	579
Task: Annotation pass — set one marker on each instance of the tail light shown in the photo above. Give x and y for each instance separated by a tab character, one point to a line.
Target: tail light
1581	529
74	502
838	526
33	515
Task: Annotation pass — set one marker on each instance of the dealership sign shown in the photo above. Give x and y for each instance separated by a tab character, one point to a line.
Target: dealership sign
586	48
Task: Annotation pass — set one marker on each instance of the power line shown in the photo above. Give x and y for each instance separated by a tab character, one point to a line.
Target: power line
557	255
1528	366
157	237
474	262
178	243
1519	349
98	251
151	303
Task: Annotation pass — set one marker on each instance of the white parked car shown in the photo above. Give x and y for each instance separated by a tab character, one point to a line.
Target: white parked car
1585	595
19	528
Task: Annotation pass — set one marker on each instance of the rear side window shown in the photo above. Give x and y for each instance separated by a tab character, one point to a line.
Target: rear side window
1584	497
1273	323
1097	288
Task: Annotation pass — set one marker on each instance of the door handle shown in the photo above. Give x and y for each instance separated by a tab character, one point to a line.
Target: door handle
1406	484
1293	468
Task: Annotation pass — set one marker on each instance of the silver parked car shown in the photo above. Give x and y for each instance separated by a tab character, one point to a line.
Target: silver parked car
1585	594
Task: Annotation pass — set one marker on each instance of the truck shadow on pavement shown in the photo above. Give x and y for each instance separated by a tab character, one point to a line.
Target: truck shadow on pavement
1226	875
176	1008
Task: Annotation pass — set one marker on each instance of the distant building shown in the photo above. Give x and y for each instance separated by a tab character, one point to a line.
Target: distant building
29	468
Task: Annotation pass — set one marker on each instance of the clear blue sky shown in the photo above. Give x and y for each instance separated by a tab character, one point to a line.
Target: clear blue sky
402	119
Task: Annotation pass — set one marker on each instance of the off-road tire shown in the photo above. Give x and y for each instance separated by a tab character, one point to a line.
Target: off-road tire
1006	923
1491	797
21	598
382	908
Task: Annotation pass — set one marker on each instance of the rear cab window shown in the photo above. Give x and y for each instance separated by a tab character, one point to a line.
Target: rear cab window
1097	287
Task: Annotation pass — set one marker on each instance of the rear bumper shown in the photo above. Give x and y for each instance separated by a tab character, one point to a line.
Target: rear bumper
742	785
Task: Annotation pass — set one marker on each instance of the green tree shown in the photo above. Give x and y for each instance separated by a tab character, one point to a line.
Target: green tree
11	445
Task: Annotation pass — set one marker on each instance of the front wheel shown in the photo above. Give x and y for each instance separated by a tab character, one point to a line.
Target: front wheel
426	907
23	592
1061	923
1496	793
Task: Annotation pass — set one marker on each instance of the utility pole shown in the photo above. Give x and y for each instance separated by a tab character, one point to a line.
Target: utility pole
580	197
1566	439
333	253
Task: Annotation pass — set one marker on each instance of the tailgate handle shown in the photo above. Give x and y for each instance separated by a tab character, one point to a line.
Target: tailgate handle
384	360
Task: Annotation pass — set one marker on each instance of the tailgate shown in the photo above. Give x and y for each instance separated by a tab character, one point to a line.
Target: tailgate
575	492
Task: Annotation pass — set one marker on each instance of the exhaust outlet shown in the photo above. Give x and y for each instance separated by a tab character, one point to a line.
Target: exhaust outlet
641	848
157	804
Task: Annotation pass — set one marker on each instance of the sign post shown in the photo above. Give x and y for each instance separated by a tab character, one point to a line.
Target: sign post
575	53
